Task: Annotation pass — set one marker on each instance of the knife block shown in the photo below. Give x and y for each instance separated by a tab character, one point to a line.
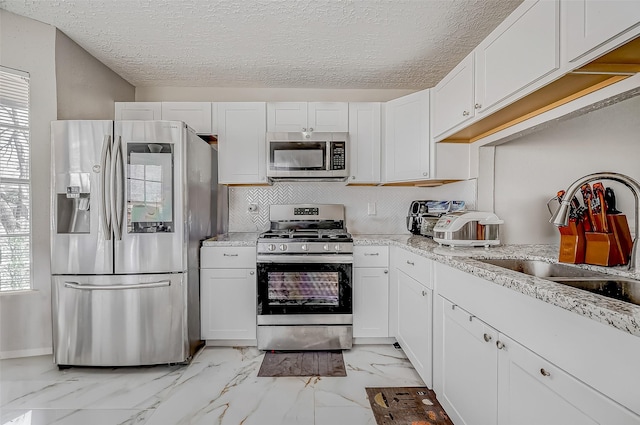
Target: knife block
572	243
602	250
620	229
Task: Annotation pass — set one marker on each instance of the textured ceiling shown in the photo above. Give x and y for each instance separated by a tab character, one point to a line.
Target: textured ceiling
382	44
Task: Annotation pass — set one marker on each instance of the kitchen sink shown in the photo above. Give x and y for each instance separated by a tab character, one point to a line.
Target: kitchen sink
542	269
615	287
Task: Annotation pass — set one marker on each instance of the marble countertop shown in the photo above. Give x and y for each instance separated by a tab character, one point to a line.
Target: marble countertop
618	314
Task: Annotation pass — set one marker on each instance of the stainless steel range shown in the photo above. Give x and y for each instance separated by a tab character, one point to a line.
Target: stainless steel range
305	279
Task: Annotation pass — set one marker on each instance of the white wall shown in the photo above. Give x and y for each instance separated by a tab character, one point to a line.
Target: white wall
25	318
227	94
86	88
530	170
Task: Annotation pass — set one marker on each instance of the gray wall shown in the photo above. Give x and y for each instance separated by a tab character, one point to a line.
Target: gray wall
86	88
25	318
31	46
530	170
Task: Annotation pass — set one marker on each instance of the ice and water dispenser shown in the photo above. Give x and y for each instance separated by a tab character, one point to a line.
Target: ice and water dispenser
73	193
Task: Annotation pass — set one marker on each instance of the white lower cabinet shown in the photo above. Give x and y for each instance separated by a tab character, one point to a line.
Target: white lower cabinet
371	292
228	294
532	391
413	310
482	376
465	372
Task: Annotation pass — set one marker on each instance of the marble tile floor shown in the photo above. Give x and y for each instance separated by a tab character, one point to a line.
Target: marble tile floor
220	386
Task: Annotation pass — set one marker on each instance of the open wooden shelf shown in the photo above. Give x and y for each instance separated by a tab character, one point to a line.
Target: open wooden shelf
615	66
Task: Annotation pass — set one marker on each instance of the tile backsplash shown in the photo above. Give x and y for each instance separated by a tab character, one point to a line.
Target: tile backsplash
391	204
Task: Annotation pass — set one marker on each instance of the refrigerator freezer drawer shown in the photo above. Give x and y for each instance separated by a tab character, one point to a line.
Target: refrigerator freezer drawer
120	320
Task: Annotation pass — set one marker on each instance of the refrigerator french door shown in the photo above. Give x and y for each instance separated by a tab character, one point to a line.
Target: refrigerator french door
131	201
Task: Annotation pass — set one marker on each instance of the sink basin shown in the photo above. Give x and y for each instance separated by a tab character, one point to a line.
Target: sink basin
615	287
542	269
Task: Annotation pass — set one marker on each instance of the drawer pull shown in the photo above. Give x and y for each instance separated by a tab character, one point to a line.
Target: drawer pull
411	263
500	345
543	372
386	271
471	318
229	255
367	254
252	272
487	337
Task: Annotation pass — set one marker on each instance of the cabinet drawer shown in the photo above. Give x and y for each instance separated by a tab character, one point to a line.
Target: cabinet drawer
419	268
371	256
227	257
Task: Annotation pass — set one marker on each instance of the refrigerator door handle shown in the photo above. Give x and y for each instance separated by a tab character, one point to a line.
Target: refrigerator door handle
78	285
117	181
105	186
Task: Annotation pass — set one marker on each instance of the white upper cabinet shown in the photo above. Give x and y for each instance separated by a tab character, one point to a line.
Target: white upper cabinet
241	143
196	115
364	142
590	24
328	116
407	141
147	111
522	50
201	116
452	98
307	116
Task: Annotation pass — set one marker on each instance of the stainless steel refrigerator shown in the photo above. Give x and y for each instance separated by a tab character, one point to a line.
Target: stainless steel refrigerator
131	202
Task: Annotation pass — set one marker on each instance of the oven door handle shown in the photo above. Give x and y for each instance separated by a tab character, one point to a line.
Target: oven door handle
301	259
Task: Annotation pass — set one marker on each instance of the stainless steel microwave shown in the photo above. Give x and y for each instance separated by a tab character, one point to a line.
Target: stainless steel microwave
307	156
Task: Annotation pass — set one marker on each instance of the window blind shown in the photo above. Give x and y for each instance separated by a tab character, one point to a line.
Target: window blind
15	190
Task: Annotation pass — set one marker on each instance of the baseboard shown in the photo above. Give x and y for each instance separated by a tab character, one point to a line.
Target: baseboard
231	343
373	340
26	353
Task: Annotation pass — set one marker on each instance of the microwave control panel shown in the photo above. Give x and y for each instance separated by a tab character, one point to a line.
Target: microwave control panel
338	155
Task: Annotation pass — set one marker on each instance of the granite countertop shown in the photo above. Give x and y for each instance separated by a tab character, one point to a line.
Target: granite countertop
618	314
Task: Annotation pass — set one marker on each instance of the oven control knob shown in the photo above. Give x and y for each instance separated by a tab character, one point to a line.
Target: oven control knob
326	247
305	247
283	247
271	247
337	247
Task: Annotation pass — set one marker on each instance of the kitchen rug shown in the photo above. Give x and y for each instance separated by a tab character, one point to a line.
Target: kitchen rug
302	363
406	406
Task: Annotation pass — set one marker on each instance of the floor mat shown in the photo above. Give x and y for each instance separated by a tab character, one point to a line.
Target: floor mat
406	406
302	363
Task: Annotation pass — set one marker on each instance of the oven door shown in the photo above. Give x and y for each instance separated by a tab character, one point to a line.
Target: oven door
305	285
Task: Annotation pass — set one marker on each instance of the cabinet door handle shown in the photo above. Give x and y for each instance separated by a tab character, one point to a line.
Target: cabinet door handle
465	113
310	128
424	293
411	263
477	105
544	372
229	255
252	272
471	318
487	337
386	271
500	345
368	254
304	129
